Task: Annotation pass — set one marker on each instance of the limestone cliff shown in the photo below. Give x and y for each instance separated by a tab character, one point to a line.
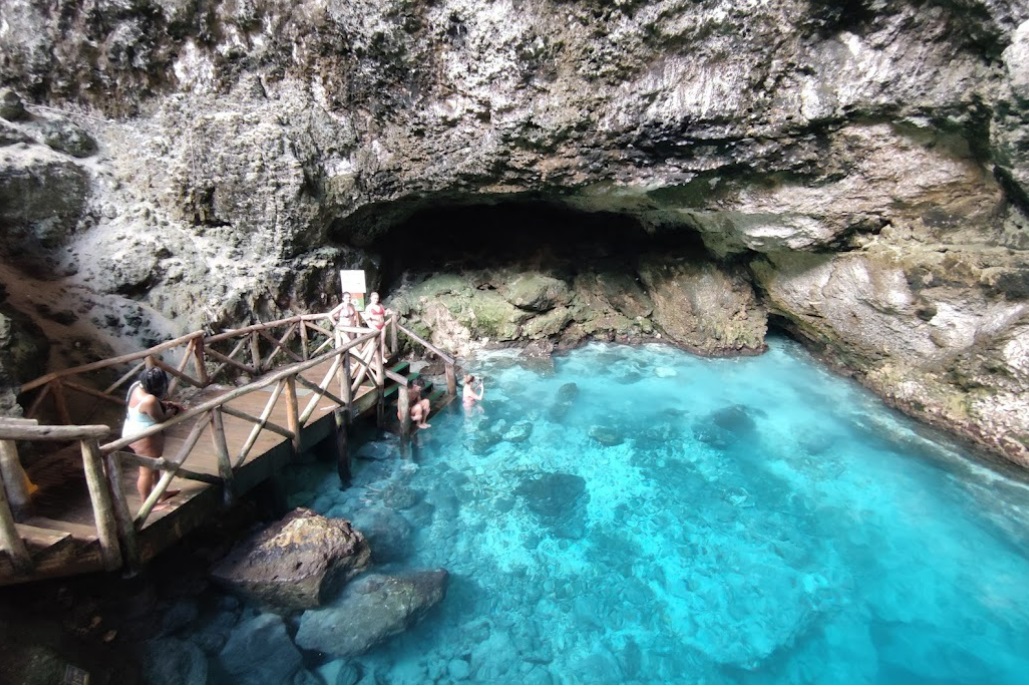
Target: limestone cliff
858	170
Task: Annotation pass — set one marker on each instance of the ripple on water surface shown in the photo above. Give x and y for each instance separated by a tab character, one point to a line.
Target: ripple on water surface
643	515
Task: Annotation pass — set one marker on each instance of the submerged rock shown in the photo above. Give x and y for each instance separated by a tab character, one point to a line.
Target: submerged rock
559	501
388	533
259	652
170	661
371	610
296	562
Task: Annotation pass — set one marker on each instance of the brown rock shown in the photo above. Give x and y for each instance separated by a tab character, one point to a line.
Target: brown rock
297	562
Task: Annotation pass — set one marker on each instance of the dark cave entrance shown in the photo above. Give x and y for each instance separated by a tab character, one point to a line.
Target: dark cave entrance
541	235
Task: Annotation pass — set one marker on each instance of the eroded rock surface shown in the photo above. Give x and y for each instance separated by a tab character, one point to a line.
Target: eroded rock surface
371	610
295	563
858	171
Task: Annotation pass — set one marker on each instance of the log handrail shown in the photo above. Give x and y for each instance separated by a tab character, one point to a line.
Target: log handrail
425	343
116	527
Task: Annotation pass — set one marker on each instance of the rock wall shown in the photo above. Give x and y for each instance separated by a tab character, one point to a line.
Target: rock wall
858	170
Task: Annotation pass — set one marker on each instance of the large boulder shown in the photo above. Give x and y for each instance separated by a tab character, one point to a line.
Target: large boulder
296	562
170	661
559	502
371	610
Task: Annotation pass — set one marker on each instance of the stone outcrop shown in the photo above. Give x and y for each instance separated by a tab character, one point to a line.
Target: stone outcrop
857	171
295	563
259	652
370	610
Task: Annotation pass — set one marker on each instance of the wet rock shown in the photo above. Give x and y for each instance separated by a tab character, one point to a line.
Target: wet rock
260	652
605	436
389	534
559	502
182	613
40	204
376	450
371	610
11	106
9	135
296	562
67	137
519	431
565	399
348	674
170	661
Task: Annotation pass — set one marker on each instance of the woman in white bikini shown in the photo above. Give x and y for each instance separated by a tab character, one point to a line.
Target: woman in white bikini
344	316
145	410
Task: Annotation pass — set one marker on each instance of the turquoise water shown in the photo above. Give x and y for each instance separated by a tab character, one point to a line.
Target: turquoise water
641	515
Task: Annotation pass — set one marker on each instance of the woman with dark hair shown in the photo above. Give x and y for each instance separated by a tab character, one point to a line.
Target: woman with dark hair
145	409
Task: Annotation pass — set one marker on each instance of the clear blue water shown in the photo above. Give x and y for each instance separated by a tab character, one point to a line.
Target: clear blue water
686	520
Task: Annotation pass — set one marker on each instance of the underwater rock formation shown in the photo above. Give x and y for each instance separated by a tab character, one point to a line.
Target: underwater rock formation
370	610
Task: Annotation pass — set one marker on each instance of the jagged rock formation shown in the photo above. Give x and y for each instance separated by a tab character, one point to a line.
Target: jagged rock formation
295	563
858	171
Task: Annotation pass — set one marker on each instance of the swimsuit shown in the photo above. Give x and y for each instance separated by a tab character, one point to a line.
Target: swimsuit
377	312
136	422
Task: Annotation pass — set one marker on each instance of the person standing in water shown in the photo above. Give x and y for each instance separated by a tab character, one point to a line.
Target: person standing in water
145	409
469	397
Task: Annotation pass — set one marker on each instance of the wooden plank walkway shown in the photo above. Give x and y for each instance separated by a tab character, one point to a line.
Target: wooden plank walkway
85	514
62	536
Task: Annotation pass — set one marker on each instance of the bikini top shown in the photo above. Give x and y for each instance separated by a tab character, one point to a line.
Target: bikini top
134	415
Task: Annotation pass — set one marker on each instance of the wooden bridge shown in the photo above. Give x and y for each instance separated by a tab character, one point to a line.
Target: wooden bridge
255	397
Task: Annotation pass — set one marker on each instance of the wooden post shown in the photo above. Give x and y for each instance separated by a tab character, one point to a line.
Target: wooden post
126	528
103	508
340	417
200	361
221	449
9	539
380	403
345	390
293	412
304	346
19	487
403	411
61	403
393	335
255	351
448	367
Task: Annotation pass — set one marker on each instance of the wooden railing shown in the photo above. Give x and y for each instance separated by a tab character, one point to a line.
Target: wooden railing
257	352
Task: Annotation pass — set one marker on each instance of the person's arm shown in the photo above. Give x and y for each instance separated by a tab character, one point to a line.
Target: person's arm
336	312
153	408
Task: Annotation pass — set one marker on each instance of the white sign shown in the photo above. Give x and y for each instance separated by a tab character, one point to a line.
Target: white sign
352	282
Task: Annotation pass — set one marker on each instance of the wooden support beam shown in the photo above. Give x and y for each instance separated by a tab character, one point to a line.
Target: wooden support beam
313	404
57	432
246	416
67	383
255	351
228	361
162	465
293	412
255	432
404	413
176	374
378	366
221	449
131	374
44	393
122	513
304	344
105	363
10	541
345	389
103	506
321	391
200	361
339	417
60	402
182	367
448	368
280	346
18	485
